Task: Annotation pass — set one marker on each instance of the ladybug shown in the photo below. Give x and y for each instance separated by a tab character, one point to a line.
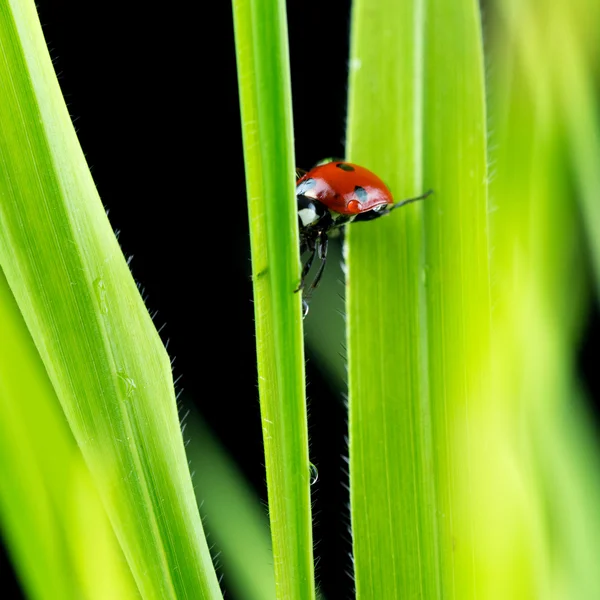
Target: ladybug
329	196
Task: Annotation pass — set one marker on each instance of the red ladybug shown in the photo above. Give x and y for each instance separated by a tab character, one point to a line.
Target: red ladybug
331	195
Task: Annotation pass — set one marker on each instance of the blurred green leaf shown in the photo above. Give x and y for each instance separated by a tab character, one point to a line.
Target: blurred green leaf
542	464
40	469
233	514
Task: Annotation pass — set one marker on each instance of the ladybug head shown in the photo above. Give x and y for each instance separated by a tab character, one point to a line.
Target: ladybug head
311	212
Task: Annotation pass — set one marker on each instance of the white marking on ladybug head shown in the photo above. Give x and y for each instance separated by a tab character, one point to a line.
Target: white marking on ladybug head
308	215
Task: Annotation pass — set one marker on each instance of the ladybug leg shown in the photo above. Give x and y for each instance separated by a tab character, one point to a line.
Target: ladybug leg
306	268
322	248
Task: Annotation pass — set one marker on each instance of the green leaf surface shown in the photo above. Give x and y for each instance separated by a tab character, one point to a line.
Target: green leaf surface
36	449
265	98
418	294
98	344
394	538
457	267
50	512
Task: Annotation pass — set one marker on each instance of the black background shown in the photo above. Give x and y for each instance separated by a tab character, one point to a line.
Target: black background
153	93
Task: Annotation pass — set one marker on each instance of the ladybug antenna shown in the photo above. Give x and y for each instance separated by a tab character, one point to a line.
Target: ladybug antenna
409	200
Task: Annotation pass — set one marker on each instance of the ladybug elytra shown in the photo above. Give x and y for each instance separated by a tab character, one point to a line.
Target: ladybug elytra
329	196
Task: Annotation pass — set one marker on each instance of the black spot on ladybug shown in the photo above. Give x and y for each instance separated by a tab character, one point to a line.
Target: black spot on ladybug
361	193
345	167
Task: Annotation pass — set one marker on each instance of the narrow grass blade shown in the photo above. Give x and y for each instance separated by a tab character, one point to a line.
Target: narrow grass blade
89	323
392	492
418	294
265	97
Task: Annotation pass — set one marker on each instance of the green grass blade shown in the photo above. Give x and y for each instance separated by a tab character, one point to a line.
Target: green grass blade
394	538
40	467
572	43
418	313
36	449
458	274
265	97
92	330
577	93
233	515
509	518
104	572
540	303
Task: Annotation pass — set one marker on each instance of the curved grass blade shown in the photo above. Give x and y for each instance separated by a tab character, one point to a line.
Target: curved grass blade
265	98
89	323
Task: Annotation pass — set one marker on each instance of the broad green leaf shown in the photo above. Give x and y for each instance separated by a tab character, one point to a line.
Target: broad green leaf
98	344
418	295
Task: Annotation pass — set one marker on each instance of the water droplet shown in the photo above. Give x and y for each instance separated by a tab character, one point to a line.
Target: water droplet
355	64
100	290
126	383
314	474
